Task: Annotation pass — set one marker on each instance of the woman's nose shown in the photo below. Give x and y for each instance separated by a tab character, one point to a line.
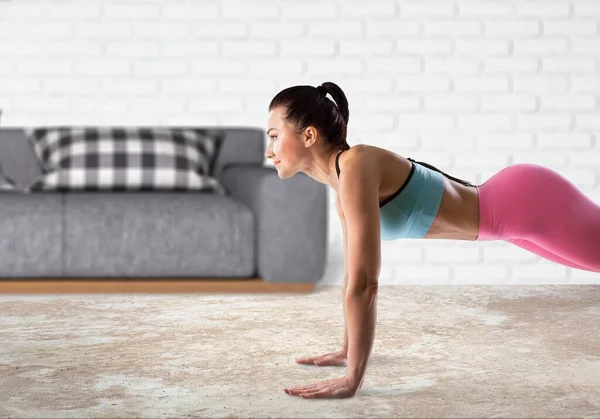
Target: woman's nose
269	152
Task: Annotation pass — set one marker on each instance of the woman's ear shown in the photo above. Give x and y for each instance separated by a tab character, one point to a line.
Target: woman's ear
310	136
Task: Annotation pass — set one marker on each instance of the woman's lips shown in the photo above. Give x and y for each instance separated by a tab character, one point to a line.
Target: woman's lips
277	162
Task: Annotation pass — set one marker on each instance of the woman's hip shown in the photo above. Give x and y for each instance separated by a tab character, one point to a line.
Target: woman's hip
525	199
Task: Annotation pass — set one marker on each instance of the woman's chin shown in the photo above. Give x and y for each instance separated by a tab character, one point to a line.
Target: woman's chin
282	174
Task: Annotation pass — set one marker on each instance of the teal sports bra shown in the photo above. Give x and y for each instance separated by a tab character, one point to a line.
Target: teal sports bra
410	211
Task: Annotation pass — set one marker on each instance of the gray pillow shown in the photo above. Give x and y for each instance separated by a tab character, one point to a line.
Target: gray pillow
6	183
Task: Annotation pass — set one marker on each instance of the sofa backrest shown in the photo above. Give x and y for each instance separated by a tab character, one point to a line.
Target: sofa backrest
241	145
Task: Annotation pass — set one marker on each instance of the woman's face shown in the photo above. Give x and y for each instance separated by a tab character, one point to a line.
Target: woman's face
285	145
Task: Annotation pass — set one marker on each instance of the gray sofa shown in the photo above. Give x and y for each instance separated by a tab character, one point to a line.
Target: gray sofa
265	228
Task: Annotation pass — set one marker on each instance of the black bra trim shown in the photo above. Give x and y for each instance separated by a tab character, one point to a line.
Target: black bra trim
412	170
337	163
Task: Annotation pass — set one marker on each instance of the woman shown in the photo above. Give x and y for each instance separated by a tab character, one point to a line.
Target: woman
381	195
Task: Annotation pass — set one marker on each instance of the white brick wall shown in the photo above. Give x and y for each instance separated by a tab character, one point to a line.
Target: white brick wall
468	86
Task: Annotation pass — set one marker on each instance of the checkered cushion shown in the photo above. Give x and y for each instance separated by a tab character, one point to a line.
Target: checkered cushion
125	158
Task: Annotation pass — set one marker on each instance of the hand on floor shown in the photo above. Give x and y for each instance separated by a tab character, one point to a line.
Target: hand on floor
337	359
337	388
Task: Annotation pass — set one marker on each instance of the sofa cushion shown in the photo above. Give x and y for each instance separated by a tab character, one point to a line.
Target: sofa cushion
157	234
124	159
31	235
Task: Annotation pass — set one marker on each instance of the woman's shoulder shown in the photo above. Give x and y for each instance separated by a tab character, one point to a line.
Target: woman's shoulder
367	157
359	153
362	161
382	167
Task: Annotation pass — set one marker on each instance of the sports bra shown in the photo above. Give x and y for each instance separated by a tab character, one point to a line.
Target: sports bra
410	211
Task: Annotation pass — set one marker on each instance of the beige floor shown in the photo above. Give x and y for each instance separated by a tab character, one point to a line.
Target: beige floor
455	351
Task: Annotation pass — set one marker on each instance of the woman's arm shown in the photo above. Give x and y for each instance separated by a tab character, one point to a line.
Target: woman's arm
359	198
338	205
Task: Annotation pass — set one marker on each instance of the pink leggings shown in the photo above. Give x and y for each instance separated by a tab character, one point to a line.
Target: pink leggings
539	210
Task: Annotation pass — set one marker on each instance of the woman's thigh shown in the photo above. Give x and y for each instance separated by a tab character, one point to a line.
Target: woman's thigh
540	251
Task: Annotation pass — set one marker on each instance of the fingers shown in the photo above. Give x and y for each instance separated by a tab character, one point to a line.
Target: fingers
313	395
304	389
335	388
331	362
309	393
309	360
313	359
320	386
324	360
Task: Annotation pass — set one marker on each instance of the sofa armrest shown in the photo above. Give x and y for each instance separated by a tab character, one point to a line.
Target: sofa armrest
290	221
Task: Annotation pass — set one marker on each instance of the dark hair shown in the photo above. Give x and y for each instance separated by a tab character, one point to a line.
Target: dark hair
308	105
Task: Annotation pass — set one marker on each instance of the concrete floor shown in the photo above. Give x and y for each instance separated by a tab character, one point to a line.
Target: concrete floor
440	351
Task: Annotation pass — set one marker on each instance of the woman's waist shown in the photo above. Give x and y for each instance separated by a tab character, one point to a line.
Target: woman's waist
418	202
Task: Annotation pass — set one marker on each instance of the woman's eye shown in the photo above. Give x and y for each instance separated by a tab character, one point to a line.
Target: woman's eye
272	137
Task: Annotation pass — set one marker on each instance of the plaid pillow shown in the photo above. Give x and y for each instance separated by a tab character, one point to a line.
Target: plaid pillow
125	158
